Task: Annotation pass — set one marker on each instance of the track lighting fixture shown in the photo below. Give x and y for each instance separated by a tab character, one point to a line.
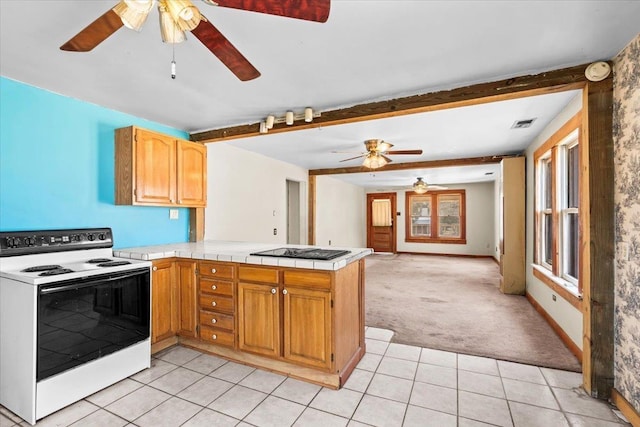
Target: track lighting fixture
289	118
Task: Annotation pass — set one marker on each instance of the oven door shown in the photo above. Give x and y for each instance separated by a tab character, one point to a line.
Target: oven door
82	320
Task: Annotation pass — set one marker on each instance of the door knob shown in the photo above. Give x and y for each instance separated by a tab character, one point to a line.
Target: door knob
284	292
273	290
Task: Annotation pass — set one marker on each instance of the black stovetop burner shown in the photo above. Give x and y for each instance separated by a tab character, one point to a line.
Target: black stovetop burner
98	260
56	271
38	268
113	263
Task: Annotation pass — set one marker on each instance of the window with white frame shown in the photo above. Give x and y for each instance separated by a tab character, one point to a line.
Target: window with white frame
557	242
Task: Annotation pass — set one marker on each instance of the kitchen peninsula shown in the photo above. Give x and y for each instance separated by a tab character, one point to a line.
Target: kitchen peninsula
299	317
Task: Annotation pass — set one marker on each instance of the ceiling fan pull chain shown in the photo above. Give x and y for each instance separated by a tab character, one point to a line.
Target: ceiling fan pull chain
173	61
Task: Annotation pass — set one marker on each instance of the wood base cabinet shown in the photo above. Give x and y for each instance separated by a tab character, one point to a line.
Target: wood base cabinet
308	324
187	311
164	317
216	303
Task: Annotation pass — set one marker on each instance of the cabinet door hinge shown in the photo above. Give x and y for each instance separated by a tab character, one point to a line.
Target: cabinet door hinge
135	191
331	303
198	329
332	357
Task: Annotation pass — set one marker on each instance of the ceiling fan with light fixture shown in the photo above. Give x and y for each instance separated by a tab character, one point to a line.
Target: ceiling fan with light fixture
180	16
377	152
422	187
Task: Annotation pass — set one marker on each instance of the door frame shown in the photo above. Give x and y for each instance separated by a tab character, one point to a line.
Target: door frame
394	215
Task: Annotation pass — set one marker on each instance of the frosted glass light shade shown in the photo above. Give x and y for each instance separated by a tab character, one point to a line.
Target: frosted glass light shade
420	186
169	30
132	17
374	161
184	13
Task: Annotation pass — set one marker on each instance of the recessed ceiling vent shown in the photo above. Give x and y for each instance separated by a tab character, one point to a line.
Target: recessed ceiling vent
521	124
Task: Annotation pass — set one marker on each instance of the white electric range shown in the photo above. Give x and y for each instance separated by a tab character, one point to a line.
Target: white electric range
73	318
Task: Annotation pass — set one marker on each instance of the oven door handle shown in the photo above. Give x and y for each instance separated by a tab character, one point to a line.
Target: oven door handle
62	288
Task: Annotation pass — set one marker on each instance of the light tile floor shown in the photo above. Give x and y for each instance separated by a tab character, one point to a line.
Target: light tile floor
394	385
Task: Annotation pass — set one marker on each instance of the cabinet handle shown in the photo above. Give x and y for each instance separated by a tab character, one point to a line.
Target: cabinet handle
284	292
214	271
155	268
213	303
273	290
214	287
214	321
214	337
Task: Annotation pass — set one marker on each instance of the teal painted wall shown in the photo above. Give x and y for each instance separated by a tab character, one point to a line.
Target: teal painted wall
57	169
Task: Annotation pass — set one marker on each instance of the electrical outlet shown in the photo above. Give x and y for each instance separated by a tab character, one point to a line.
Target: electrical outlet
173	213
329	242
275	231
553	297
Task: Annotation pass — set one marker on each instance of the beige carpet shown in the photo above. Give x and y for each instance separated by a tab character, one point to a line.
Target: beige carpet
454	304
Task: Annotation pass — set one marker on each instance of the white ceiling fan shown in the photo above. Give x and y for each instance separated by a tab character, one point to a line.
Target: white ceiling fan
422	187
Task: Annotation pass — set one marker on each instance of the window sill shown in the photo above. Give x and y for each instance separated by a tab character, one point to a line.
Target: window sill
429	240
566	290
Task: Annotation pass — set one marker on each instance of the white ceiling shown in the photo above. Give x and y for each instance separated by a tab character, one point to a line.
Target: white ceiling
367	51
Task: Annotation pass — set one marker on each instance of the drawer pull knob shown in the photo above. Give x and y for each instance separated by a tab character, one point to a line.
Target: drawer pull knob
284	292
214	321
214	271
214	287
214	337
273	290
155	268
213	303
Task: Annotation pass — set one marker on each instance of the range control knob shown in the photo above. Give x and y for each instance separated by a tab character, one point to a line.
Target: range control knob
102	236
91	237
30	241
9	242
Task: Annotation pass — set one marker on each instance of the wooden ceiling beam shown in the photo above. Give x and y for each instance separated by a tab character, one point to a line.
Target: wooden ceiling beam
515	87
469	161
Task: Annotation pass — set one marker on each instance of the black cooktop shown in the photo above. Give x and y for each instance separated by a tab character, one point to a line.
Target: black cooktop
304	253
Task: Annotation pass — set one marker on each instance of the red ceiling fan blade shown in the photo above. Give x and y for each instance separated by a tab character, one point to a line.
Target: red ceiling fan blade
94	33
352	158
404	152
218	44
309	10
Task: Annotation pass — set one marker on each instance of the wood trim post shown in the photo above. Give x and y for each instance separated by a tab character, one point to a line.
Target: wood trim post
312	210
598	249
196	224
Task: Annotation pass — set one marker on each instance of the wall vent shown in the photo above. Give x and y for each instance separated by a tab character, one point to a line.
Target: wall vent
521	124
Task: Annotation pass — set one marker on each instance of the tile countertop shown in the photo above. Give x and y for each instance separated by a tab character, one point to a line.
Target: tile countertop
240	252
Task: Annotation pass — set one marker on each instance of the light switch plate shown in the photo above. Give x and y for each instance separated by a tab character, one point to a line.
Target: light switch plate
173	213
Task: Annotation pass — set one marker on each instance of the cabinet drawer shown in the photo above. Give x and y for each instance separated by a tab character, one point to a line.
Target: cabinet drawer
218	287
316	279
217	336
216	302
256	274
215	270
215	319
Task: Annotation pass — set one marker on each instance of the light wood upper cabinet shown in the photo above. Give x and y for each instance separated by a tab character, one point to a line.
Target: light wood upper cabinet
164	319
192	173
154	169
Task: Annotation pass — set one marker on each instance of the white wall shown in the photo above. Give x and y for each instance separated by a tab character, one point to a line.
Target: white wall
497	215
244	189
480	201
565	315
340	213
